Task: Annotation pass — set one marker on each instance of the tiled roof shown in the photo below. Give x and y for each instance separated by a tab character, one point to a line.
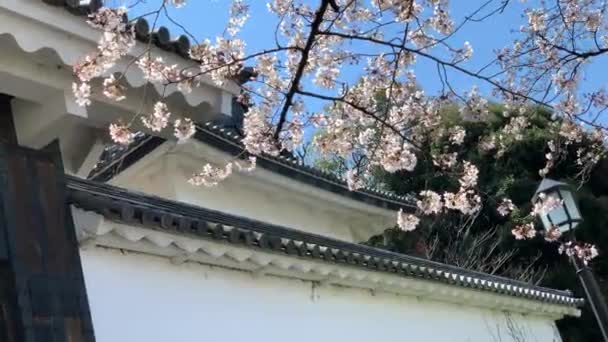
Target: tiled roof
115	157
229	140
293	167
138	209
161	37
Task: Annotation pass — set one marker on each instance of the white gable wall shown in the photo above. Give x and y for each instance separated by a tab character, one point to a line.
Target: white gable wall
136	297
262	195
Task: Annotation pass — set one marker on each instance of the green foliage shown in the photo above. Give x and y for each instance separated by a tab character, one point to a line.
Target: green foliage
513	175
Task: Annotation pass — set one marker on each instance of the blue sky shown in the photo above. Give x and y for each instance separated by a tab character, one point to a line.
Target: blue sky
207	19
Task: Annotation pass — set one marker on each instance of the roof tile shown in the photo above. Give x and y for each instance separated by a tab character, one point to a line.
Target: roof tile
150	211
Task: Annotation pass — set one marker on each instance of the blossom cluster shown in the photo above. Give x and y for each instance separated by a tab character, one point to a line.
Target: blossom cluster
546	204
510	133
117	39
524	231
466	200
407	222
552	234
585	251
505	207
211	175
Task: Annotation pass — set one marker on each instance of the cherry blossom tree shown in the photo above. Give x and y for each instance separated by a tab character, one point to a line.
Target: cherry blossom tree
384	118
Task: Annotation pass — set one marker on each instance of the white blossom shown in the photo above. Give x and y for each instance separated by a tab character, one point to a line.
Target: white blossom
566	248
116	41
469	176
441	20
395	156
594	20
586	252
82	93
326	77
476	106
407	222
112	89
183	129
259	133
466	52
536	20
239	13
465	201
505	207
552	234
430	202
550	159
176	3
446	161
353	180
378	112
457	135
545	204
121	134
210	175
524	231
159	119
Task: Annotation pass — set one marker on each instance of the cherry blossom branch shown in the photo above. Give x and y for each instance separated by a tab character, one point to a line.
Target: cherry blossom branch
439	61
295	83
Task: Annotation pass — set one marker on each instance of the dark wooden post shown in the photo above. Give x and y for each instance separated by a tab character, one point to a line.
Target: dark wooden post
7	297
42	290
7	126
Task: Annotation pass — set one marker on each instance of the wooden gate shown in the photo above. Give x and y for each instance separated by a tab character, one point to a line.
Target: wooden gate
42	290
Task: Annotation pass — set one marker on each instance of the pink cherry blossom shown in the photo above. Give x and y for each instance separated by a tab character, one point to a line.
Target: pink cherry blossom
210	175
121	134
505	207
158	119
524	231
430	202
183	129
545	204
407	222
112	89
82	93
552	234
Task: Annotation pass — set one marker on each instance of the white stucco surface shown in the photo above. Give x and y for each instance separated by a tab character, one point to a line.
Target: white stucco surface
261	195
142	298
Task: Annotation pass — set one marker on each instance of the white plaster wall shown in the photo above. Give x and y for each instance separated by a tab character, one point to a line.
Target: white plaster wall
141	298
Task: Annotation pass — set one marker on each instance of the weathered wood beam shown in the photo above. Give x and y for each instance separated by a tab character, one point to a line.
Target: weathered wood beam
45	298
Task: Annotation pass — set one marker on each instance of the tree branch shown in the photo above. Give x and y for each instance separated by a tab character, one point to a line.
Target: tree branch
334	6
295	84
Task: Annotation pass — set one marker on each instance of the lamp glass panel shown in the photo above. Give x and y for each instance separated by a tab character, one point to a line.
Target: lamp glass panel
545	219
558	215
570	204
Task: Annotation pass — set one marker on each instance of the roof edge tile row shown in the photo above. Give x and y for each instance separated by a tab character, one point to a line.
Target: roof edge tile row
138	209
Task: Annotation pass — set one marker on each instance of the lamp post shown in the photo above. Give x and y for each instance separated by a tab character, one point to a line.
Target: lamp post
566	218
